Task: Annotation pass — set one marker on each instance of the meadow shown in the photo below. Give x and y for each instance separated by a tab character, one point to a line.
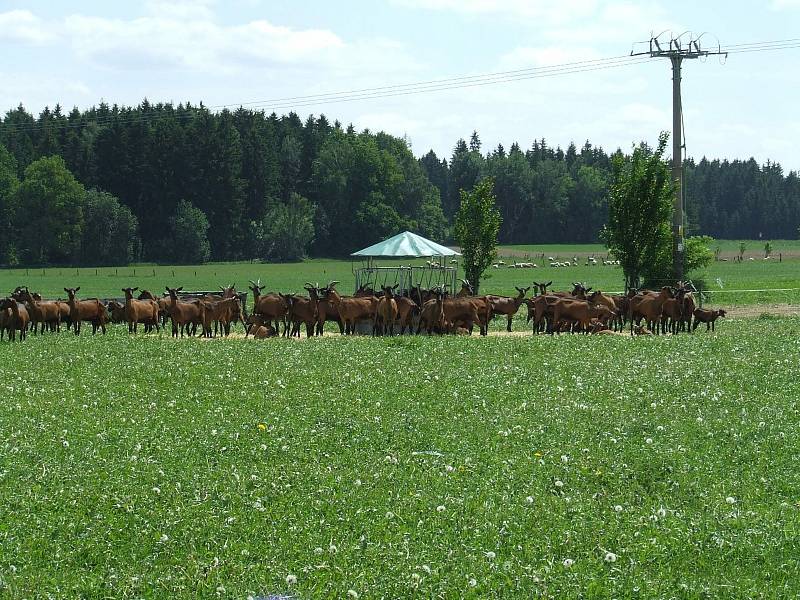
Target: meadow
566	466
723	280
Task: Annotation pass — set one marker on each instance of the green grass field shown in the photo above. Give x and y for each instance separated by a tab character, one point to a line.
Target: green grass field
107	282
566	466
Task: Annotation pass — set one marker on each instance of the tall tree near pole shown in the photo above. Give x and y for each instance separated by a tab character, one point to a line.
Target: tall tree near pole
477	225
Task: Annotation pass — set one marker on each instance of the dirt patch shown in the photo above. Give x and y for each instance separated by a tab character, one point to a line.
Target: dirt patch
756	310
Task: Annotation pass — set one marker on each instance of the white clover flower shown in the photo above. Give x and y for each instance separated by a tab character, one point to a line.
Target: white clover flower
529	499
352	594
449	468
564	458
730	500
559	484
164	538
291	579
318	550
648	441
472	582
491	555
156	490
610	557
426	568
389	514
660	428
358	482
65	443
568	562
415	578
440	508
220	589
661	512
332	549
618	508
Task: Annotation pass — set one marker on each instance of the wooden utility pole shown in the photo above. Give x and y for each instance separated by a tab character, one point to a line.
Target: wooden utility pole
677	50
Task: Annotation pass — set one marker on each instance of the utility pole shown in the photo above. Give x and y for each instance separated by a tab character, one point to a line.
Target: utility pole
677	51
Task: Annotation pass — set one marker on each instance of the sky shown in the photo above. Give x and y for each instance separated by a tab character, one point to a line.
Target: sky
236	52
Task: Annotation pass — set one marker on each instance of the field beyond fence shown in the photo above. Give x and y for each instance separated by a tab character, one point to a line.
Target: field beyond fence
727	283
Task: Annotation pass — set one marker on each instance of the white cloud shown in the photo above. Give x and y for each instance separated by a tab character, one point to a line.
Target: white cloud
785	4
24	26
546	56
529	10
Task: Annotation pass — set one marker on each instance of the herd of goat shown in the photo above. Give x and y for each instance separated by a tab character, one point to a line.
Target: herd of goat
384	312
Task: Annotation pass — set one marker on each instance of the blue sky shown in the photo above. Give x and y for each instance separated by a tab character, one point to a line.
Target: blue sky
79	53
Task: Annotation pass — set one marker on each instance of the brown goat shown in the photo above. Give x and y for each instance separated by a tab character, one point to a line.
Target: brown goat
351	309
464	311
707	316
649	307
183	314
482	305
504	305
145	311
17	320
259	328
117	311
580	312
406	309
46	313
432	315
386	312
271	306
325	310
91	311
220	313
302	310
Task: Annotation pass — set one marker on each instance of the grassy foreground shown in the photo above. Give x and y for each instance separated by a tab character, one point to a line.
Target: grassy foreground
435	467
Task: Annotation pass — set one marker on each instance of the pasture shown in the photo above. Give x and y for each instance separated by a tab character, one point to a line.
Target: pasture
107	282
398	467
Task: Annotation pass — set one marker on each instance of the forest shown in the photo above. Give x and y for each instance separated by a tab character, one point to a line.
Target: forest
183	184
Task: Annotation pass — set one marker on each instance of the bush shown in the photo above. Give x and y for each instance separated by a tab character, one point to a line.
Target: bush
189	244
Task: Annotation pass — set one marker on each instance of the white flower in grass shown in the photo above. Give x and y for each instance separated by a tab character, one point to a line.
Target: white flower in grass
426	568
559	484
318	550
472	582
648	441
661	512
65	443
610	557
389	515
491	555
618	508
164	538
564	458
156	490
568	562
291	579
529	499
352	594
440	508
332	549
730	500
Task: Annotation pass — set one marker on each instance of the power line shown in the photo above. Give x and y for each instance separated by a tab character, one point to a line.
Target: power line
429	86
400	90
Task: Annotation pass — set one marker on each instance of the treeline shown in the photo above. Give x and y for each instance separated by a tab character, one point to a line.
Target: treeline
185	184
